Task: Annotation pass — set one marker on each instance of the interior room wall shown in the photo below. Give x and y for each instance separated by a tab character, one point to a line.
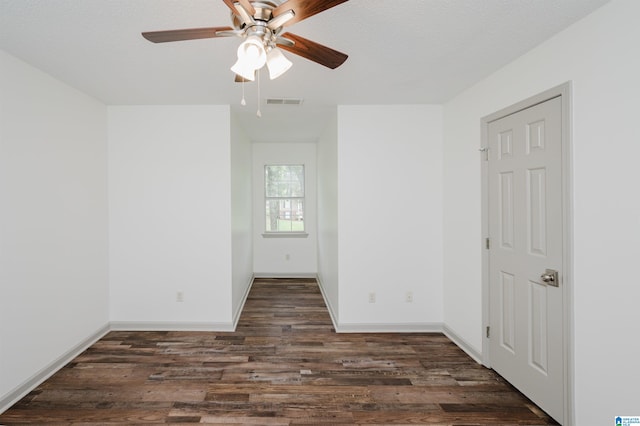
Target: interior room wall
53	223
389	161
170	216
327	157
599	56
290	256
241	216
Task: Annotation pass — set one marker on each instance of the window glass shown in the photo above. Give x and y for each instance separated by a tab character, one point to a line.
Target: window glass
284	198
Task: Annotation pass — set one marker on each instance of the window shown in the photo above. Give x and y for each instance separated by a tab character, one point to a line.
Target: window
284	196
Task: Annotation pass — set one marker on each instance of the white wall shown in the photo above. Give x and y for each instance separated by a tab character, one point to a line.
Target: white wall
53	222
327	157
170	215
270	254
241	216
600	56
390	214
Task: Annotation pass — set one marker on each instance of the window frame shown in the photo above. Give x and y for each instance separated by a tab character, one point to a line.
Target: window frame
267	198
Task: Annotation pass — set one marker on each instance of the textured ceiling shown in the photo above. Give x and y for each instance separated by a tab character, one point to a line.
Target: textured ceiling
400	52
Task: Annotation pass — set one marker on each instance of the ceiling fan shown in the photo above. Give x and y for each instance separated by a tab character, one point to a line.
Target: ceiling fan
261	24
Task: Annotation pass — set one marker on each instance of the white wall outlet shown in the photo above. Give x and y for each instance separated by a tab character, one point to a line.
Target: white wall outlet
409	297
372	297
179	296
287	256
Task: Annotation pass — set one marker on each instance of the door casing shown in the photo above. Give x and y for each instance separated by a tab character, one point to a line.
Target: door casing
564	91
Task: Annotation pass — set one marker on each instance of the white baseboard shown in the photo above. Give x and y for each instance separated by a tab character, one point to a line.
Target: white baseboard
170	326
413	327
463	344
27	386
327	302
238	312
284	275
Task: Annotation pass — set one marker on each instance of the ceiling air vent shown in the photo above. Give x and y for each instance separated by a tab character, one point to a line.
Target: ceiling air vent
284	101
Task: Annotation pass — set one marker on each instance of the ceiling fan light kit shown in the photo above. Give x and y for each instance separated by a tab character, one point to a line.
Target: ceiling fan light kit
251	57
261	25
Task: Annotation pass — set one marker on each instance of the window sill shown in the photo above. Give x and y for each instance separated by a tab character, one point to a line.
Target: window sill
285	235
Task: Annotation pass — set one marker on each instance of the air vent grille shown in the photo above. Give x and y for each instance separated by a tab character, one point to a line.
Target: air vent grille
284	101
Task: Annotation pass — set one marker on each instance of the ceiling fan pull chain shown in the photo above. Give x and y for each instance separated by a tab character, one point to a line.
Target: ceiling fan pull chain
258	113
243	102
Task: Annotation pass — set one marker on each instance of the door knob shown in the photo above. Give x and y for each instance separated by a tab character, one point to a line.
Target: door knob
550	277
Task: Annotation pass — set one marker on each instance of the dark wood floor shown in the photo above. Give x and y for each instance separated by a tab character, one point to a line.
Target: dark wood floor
284	365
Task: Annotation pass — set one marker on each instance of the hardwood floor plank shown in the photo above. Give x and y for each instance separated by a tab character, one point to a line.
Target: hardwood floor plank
284	365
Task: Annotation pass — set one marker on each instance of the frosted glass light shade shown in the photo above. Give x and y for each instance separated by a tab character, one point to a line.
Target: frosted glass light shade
251	57
277	63
243	70
251	51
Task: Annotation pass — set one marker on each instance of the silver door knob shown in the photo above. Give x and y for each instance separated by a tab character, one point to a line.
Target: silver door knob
550	277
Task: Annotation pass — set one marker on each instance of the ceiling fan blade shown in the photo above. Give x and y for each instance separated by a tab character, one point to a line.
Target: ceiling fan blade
231	4
279	21
314	51
304	8
186	34
244	15
248	6
245	3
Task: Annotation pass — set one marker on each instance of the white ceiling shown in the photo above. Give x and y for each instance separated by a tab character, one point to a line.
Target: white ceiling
400	52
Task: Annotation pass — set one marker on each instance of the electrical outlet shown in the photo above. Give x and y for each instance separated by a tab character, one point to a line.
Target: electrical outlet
409	297
179	296
287	256
372	297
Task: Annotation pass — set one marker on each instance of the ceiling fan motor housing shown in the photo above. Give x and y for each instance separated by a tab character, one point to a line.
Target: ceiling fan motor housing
259	28
264	12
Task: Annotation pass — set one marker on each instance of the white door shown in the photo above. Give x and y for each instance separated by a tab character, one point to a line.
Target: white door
525	231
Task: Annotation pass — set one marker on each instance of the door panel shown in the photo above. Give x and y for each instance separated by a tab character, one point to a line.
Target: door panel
507	303
538	356
537	211
525	219
506	210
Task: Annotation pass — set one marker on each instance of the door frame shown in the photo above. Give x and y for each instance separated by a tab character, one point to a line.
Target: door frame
564	91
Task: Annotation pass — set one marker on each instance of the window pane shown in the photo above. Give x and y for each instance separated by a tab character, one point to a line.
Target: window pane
297	181
297	216
284	181
284	191
273	212
284	215
296	189
271	181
